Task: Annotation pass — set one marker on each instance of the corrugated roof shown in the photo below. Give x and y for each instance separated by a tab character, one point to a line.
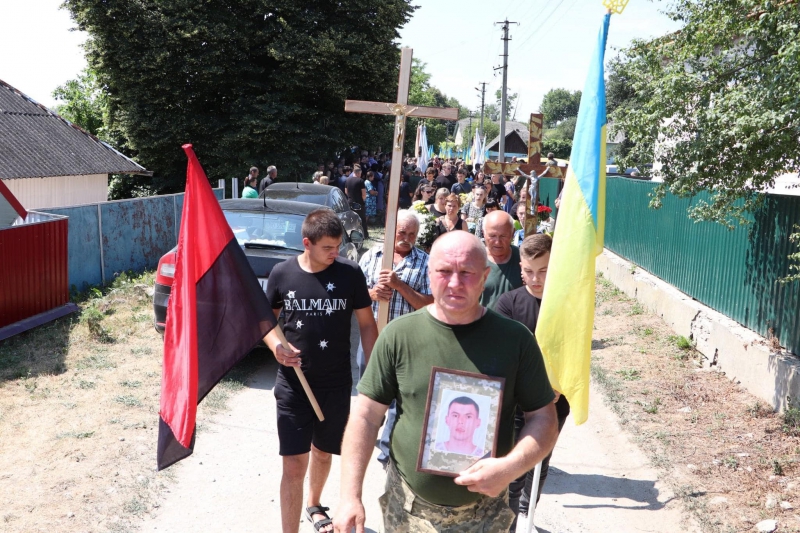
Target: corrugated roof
35	142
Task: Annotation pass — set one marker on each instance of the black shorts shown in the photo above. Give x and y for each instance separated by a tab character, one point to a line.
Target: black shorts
298	426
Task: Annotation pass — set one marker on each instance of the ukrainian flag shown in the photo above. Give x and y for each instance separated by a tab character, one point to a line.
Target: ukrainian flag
564	328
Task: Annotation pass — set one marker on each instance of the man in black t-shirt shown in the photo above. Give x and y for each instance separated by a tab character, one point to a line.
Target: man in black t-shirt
445	178
356	191
522	305
318	292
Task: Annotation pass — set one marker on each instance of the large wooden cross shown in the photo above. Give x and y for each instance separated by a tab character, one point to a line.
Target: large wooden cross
401	110
533	166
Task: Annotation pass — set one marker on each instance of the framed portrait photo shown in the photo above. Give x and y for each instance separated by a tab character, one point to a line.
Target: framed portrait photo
462	416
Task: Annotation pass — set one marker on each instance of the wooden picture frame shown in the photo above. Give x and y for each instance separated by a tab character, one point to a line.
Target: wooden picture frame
462	419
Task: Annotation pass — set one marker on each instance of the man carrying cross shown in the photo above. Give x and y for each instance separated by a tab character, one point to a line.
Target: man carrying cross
401	110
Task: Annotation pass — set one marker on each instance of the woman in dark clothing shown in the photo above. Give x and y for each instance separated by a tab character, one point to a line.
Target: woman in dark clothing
438	205
450	221
404	200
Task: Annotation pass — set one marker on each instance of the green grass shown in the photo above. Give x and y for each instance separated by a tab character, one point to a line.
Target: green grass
681	342
636	309
128	400
629	374
96	361
652	407
791	421
131	384
75	435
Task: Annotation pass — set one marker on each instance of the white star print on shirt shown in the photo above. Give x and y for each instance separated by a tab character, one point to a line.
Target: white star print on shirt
299	324
290	294
329	311
323	344
330	286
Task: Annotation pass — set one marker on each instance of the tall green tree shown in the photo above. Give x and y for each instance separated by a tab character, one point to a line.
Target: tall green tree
717	104
251	82
421	92
83	103
511	99
558	105
490	130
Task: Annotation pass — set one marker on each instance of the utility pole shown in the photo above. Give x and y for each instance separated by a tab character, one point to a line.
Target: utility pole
482	90
505	38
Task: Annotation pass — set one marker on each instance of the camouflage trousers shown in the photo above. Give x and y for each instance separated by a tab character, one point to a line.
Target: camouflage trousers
405	512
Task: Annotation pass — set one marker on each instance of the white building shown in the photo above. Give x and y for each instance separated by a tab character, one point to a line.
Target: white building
48	162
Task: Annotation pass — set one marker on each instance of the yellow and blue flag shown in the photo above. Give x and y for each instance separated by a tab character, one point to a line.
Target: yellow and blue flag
564	328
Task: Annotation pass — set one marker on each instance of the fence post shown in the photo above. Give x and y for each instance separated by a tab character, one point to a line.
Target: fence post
221	185
100	233
234	188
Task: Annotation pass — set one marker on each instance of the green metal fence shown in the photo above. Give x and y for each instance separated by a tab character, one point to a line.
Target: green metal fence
735	272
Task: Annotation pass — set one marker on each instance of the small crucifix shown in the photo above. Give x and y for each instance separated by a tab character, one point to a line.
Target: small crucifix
401	110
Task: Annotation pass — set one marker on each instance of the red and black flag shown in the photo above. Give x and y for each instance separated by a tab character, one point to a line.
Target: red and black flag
217	313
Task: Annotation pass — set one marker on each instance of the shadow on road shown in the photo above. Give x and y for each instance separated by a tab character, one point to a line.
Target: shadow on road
600	486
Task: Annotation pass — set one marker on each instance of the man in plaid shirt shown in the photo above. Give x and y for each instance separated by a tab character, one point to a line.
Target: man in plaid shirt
406	287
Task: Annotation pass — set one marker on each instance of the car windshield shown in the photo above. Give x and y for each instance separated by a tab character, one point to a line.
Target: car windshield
267	229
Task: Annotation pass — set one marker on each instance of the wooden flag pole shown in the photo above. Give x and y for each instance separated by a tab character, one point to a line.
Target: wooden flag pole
401	110
301	376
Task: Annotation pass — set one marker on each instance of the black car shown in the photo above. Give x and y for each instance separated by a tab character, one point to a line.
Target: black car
269	232
314	193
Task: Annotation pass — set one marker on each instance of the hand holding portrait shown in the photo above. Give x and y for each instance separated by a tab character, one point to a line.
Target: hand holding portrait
488	476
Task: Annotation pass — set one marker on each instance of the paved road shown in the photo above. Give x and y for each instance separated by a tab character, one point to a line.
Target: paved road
599	481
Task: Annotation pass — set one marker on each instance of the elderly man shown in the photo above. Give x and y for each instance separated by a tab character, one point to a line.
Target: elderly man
269	179
405	287
454	332
504	270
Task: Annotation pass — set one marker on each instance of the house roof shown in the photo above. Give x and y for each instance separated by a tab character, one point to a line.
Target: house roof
512	128
36	142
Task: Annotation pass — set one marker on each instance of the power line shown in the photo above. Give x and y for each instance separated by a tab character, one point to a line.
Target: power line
551	26
533	32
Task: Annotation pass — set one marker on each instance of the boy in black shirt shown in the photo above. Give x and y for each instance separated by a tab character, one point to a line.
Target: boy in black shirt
319	292
522	305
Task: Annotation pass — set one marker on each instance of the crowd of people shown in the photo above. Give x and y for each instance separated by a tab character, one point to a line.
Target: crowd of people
457	195
471	304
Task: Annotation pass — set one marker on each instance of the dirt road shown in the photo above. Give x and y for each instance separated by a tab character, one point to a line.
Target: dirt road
599	482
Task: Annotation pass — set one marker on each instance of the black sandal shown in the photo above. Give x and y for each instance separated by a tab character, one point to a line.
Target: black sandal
320	524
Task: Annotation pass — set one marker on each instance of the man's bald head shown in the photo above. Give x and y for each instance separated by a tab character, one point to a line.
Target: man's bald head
498	219
498	231
459	241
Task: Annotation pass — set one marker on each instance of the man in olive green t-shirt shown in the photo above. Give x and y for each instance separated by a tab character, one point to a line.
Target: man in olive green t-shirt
454	332
505	274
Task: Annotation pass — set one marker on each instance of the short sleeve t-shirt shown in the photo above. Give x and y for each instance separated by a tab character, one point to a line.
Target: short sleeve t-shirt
317	310
502	278
400	368
354	185
520	305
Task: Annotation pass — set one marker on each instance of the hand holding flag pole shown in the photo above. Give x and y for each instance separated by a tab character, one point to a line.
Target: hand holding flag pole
217	314
278	332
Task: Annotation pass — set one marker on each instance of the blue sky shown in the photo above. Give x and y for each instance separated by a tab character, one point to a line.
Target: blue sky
456	38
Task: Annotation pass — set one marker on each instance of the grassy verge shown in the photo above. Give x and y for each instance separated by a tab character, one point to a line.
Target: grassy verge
79	402
730	459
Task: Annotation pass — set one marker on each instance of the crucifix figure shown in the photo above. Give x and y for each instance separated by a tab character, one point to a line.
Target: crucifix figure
401	110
